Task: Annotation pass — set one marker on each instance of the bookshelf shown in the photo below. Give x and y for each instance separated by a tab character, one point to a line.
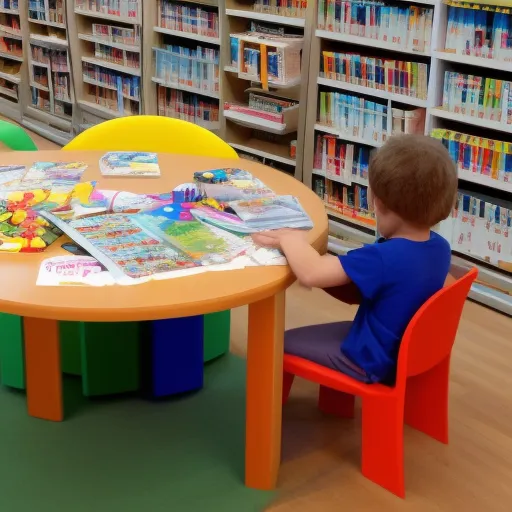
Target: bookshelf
182	61
249	89
48	89
106	49
335	76
12	71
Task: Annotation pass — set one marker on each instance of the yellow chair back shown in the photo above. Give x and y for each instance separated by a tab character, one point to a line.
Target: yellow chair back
157	134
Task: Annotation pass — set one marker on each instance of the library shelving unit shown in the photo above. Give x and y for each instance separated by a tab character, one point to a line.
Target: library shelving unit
11	58
181	61
106	50
356	100
279	74
49	94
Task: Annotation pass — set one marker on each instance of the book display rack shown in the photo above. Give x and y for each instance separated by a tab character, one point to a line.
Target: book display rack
308	87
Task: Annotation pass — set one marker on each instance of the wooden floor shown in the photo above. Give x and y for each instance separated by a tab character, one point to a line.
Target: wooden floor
320	468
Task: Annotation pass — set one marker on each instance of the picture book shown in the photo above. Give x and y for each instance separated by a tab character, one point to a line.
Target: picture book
127	163
72	271
59	177
230	185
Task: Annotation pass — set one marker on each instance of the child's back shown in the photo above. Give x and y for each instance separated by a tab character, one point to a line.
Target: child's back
413	185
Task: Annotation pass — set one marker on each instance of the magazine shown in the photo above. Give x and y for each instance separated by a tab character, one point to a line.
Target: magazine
130	164
256	215
73	270
230	185
151	243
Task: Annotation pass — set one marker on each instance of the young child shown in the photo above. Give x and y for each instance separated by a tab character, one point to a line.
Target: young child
413	186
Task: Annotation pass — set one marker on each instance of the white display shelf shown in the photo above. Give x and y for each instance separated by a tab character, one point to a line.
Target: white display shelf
269	18
108	17
8	92
346	136
101	40
99	110
481	179
377	93
185	88
474	121
16	79
110	65
474	61
48	41
11	34
47	23
9	11
257	123
263	154
353	179
188	35
39	86
365	41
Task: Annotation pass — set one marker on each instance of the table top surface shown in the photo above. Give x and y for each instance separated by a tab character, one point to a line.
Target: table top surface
184	296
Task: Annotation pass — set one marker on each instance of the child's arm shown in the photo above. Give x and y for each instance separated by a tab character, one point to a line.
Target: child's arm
311	269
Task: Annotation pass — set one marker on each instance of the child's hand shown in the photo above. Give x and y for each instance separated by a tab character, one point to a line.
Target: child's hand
273	239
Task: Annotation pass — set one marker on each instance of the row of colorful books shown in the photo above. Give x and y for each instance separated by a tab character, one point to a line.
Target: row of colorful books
407	27
61	87
394	76
40	76
117	34
476	96
482	229
117	56
40	99
480	33
478	156
190	19
408	121
127	85
188	107
121	8
197	68
54	13
342	162
290	8
354	116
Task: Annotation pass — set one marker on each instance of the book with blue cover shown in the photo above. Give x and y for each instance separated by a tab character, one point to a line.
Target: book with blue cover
135	164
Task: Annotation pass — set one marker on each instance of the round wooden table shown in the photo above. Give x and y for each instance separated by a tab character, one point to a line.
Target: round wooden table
262	288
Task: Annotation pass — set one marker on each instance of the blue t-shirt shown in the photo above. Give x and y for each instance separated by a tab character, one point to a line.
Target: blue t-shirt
395	278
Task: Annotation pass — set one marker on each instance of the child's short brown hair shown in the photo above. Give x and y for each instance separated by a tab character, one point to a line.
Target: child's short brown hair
414	176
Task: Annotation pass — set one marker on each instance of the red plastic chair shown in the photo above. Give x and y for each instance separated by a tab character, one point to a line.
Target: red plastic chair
419	397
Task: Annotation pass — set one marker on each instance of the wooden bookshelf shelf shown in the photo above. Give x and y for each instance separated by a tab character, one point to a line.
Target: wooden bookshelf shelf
188	35
267	17
108	17
474	61
114	44
111	65
49	41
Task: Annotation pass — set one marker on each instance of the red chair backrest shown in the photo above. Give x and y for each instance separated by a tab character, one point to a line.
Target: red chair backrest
431	333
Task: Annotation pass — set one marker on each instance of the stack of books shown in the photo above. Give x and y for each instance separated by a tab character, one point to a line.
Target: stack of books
121	8
477	156
342	162
188	107
194	68
394	76
188	18
117	34
354	116
290	8
484	33
406	27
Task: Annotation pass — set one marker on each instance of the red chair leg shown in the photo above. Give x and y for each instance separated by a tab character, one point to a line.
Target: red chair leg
336	403
287	385
426	401
383	443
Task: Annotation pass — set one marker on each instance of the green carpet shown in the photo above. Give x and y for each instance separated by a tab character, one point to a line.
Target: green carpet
129	455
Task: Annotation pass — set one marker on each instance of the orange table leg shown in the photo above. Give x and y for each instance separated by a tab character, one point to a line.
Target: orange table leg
264	392
42	367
